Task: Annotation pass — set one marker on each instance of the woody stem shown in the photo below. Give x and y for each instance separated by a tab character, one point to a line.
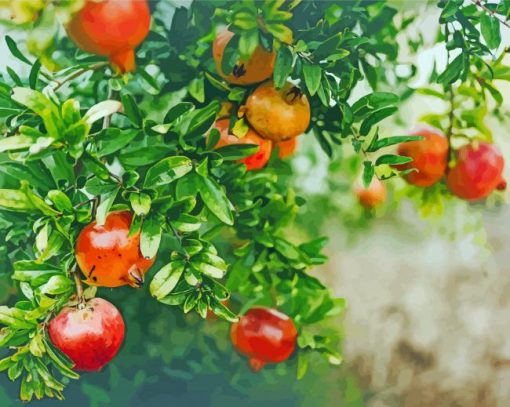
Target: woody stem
79	287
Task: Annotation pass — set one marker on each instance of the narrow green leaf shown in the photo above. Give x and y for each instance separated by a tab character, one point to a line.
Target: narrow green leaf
313	75
215	200
131	110
15	50
167	170
166	279
392	159
375	118
150	237
283	66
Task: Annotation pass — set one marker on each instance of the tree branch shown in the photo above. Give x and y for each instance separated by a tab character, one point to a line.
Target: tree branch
491	12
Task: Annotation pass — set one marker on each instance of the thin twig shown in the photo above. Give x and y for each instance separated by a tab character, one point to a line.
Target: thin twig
491	12
107	119
56	84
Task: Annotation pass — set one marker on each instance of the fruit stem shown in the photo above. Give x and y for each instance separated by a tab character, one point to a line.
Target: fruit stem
123	61
256	364
79	287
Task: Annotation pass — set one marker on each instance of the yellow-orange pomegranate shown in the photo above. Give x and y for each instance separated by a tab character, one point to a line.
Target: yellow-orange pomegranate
278	114
257	69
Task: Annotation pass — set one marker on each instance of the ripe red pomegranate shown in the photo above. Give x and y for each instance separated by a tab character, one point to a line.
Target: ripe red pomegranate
372	196
108	256
90	336
477	172
264	335
430	158
113	28
253	162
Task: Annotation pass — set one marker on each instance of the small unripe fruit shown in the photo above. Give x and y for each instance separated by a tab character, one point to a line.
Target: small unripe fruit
90	335
372	196
278	114
108	256
257	69
264	335
255	161
478	171
430	158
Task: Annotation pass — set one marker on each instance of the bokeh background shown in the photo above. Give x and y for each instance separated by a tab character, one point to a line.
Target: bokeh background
428	291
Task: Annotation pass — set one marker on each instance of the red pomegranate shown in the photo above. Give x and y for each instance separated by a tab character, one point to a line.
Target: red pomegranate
108	256
253	162
113	28
430	158
477	172
90	336
264	335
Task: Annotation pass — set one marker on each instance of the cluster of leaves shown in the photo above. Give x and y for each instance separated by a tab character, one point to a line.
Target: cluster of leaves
317	44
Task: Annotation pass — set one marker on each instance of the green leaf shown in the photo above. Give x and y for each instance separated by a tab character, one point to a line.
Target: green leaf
280	32
283	66
61	361
178	111
377	144
215	200
368	173
202	119
141	156
248	42
15	50
34	74
102	110
454	70
313	75
15	318
103	208
491	30
303	363
196	89
14	143
392	159
150	237
166	279
230	55
131	110
35	273
186	223
236	152
141	203
219	309
167	170
42	106
112	139
375	118
56	285
375	101
15	200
